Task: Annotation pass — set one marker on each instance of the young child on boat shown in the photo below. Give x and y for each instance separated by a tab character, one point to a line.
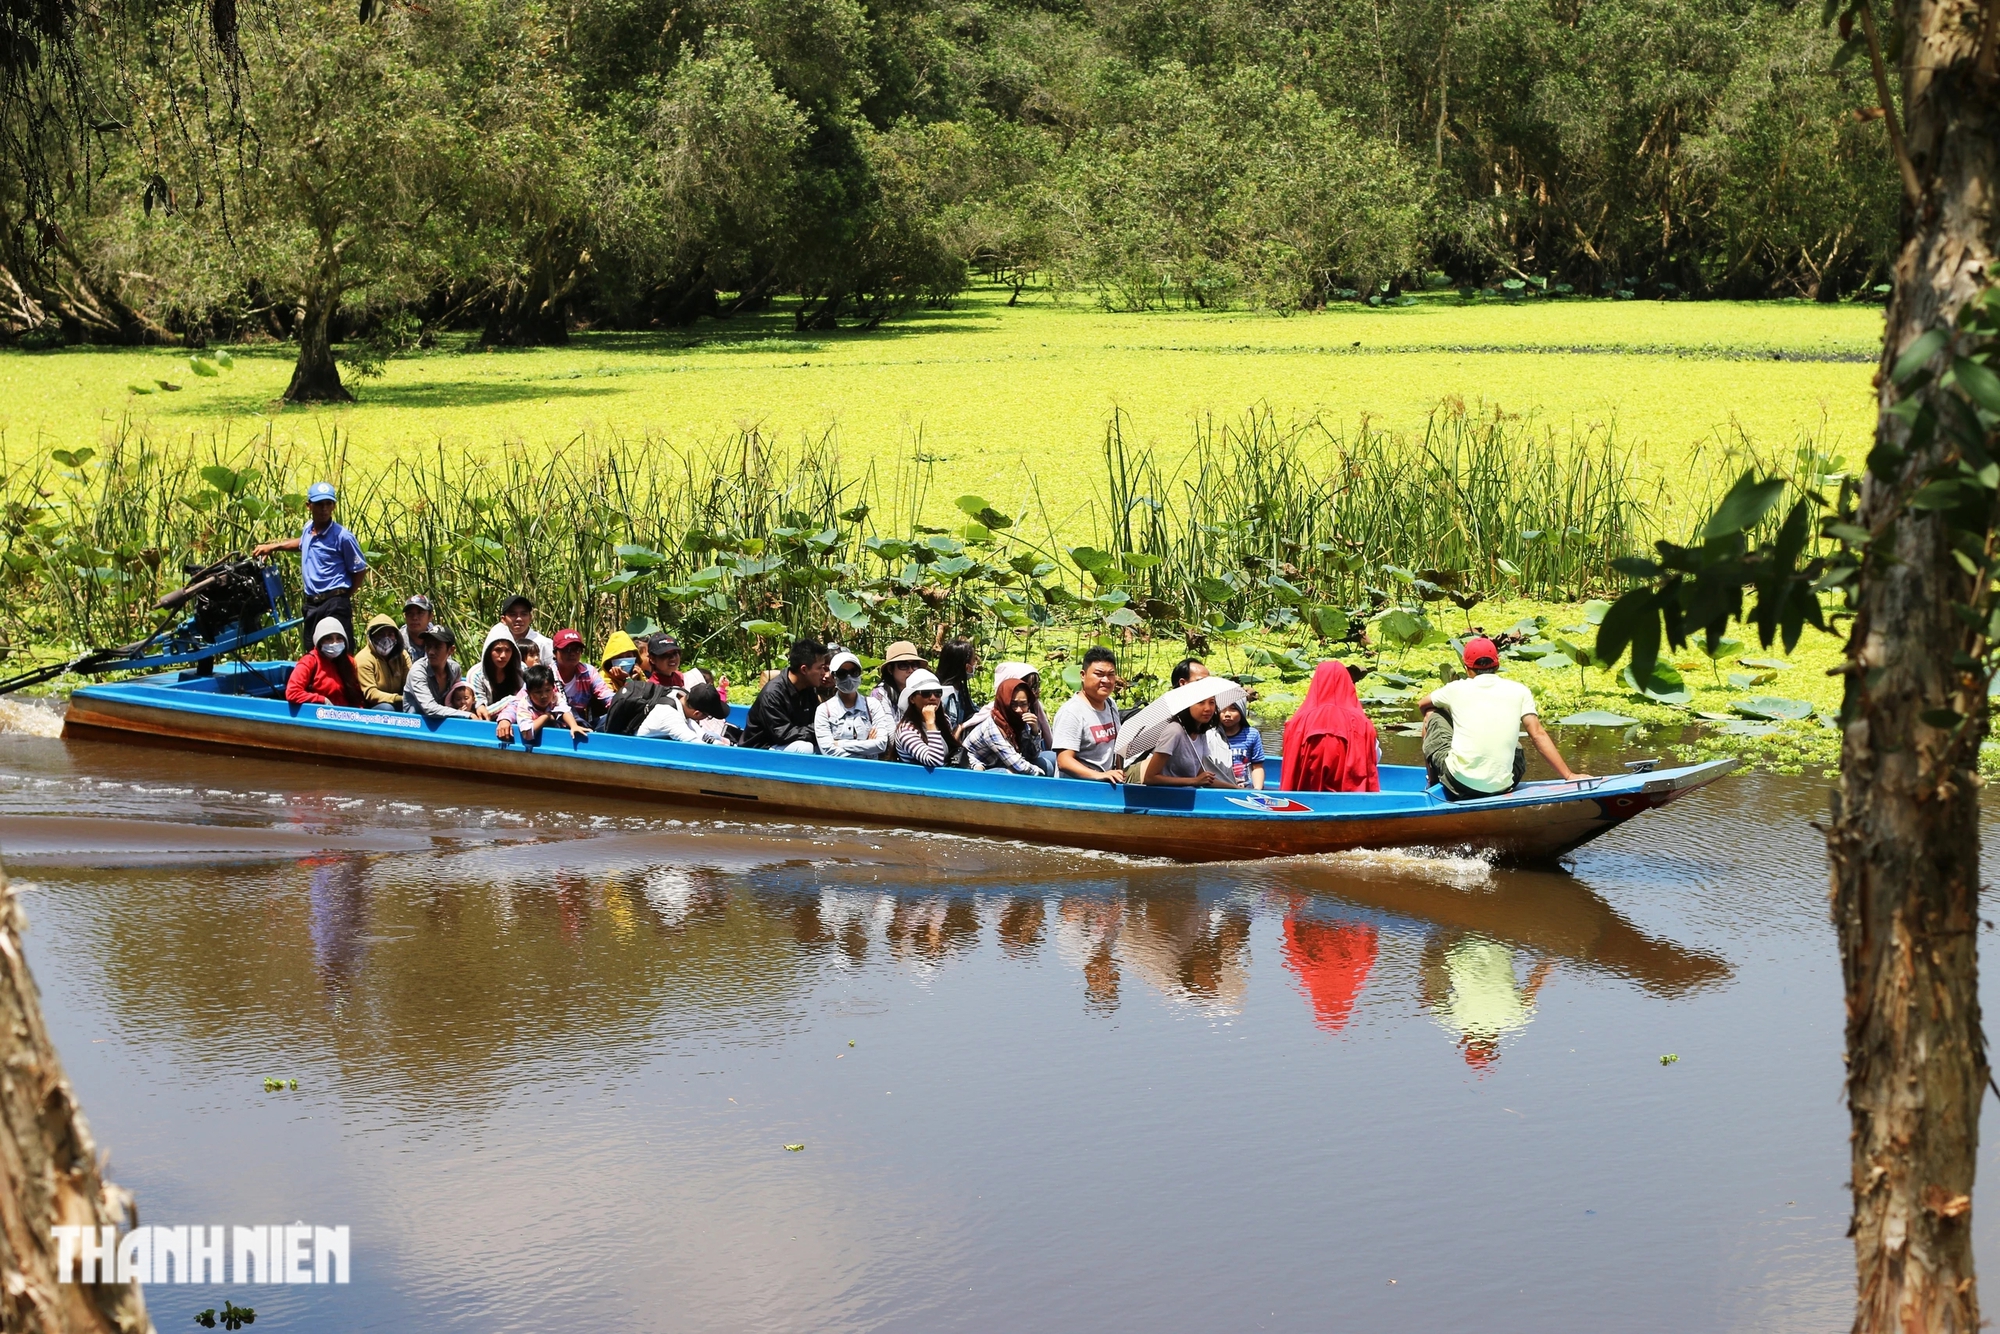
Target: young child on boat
1246	747
534	708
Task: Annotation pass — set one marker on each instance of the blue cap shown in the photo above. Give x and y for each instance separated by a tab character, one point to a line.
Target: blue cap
319	491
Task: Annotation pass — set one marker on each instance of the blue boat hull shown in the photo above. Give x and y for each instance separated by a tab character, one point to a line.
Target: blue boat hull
234	711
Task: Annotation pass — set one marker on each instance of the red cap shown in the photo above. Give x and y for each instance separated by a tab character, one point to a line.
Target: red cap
1479	652
564	638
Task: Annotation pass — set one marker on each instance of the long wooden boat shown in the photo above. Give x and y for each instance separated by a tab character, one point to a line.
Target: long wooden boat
240	709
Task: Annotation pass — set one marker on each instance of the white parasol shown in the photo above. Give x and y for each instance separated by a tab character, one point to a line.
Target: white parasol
1148	729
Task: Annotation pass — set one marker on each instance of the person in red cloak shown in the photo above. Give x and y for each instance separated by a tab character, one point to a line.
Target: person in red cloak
1330	746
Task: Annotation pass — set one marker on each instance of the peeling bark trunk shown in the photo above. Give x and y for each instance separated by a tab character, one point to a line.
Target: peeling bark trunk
316	377
1904	842
50	1167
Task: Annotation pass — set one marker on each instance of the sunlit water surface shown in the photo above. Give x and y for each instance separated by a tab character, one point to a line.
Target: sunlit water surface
550	1054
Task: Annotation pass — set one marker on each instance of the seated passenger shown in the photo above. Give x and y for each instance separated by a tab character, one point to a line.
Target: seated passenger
685	715
588	693
518	615
1183	759
1330	743
620	660
846	723
435	678
923	734
901	659
1086	735
383	667
1246	747
416	620
782	717
1472	730
1007	734
530	711
326	674
497	678
958	659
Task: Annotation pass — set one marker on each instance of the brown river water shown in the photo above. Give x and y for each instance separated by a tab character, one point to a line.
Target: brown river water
550	1054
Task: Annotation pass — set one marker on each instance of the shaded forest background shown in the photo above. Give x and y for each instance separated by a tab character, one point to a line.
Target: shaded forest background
373	172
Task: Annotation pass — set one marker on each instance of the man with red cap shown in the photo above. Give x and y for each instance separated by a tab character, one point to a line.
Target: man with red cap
588	693
1472	730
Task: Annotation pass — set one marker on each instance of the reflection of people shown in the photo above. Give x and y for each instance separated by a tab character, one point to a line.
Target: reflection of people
1332	960
1020	927
1194	952
1470	986
337	918
1086	932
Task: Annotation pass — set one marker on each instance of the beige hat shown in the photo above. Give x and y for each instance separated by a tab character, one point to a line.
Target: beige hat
903	651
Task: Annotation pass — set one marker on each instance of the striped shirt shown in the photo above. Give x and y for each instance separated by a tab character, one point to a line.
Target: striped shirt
929	749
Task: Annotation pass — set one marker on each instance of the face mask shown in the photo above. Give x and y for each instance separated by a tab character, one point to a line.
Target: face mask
847	682
624	664
334	651
386	645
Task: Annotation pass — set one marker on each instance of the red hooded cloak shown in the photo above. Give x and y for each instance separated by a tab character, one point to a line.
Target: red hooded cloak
1330	744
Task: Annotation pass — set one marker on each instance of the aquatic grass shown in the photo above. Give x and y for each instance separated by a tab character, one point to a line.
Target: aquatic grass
998	395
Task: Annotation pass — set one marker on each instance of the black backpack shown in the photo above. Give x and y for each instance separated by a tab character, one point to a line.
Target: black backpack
634	701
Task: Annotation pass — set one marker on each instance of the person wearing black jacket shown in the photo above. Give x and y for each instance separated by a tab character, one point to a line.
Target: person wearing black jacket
782	717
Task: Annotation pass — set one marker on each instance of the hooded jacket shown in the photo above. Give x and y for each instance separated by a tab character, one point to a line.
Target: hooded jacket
382	679
1330	744
491	693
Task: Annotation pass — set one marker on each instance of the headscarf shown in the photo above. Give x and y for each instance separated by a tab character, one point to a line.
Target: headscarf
1020	671
1330	745
1003	677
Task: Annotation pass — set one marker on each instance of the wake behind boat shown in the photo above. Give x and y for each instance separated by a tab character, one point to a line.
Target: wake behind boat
241	709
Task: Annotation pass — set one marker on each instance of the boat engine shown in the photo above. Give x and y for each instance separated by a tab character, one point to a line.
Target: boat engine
234	594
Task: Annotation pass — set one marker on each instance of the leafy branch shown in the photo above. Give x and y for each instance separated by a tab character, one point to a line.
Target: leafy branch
1946	464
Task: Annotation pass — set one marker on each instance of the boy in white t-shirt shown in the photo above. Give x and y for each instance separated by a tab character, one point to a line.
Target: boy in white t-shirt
1472	730
1086	728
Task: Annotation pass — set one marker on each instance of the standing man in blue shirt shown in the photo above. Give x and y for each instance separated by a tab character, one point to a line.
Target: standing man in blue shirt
331	566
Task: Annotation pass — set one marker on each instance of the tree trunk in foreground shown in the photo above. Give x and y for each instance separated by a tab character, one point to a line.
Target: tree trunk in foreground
48	1170
1904	842
316	377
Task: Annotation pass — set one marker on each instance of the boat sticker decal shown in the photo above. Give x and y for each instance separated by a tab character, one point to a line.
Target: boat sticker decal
1273	805
332	715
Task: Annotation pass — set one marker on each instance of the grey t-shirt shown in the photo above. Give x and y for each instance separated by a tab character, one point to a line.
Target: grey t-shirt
1091	733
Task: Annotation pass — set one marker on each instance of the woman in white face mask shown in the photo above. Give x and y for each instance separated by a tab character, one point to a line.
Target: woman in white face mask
326	675
383	667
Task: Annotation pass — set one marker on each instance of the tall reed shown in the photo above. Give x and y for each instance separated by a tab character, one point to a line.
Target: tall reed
740	542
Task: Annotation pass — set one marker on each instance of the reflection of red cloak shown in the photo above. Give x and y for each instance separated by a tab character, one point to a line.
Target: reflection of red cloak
1333	960
1330	744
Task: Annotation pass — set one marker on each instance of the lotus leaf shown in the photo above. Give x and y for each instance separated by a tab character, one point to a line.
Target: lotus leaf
1597	718
1771	706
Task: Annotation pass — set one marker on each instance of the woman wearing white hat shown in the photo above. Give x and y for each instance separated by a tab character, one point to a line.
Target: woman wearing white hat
846	723
326	675
923	734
